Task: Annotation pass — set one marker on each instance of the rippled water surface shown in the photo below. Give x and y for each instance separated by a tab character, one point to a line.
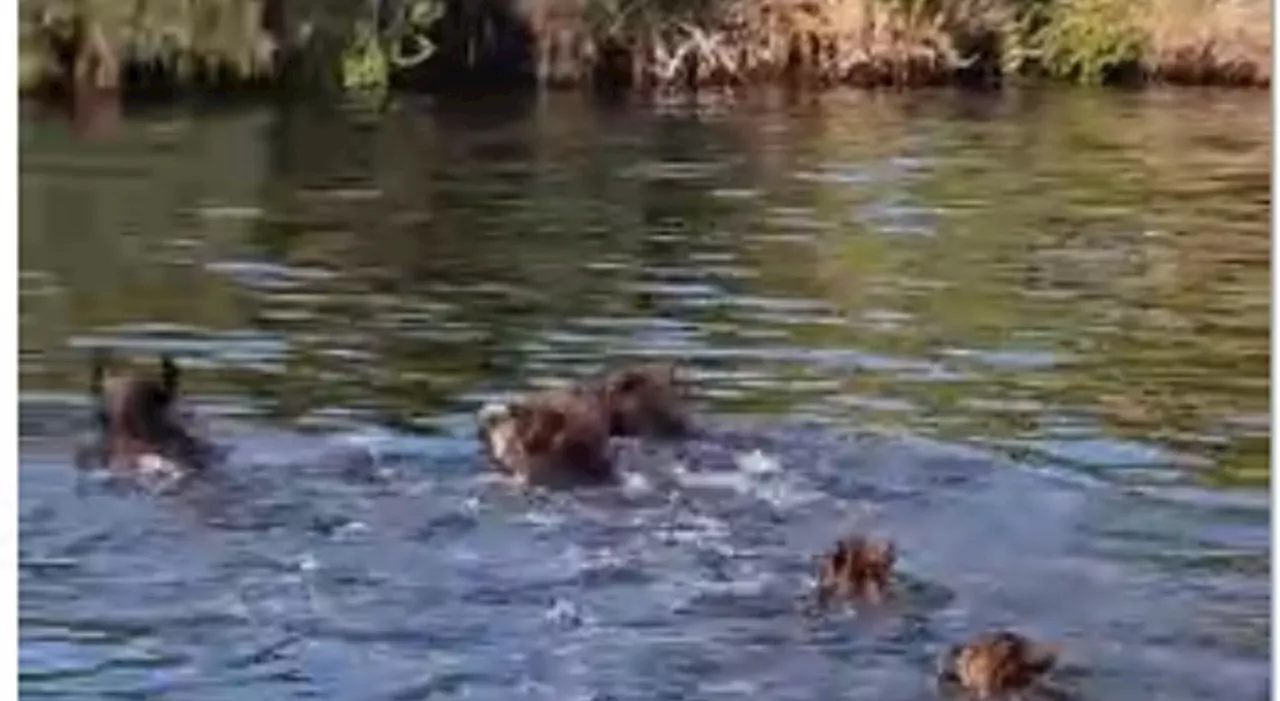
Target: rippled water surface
1026	337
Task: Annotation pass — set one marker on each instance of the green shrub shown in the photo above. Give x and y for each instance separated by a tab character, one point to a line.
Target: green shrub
1088	40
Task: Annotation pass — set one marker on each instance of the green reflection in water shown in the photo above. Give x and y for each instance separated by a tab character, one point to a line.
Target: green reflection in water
1032	271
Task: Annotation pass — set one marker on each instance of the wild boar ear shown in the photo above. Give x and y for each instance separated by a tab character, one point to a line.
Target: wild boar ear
97	376
668	373
170	375
838	557
628	380
490	413
522	414
98	371
945	670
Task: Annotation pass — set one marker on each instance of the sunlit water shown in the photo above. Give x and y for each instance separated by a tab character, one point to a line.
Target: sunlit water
1026	337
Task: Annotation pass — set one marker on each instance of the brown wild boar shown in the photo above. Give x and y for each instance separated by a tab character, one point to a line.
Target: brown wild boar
644	400
856	568
138	422
996	663
557	437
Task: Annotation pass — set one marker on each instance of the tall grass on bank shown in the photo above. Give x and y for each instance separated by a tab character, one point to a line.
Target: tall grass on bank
912	42
186	41
659	43
1209	41
1175	41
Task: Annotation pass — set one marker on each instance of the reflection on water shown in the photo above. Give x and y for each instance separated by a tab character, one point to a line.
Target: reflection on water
1071	282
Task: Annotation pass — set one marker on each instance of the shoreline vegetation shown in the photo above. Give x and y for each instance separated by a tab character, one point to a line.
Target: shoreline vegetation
171	47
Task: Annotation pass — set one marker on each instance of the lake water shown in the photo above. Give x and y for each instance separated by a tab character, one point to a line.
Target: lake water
1025	336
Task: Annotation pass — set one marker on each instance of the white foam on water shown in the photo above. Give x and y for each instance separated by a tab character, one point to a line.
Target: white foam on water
750	584
382	445
736	687
544	519
351	528
732	481
759	476
757	463
158	473
154	465
566	613
635	484
697	529
420	488
788	494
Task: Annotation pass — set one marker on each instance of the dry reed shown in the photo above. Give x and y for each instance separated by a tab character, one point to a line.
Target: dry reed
1209	42
688	43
